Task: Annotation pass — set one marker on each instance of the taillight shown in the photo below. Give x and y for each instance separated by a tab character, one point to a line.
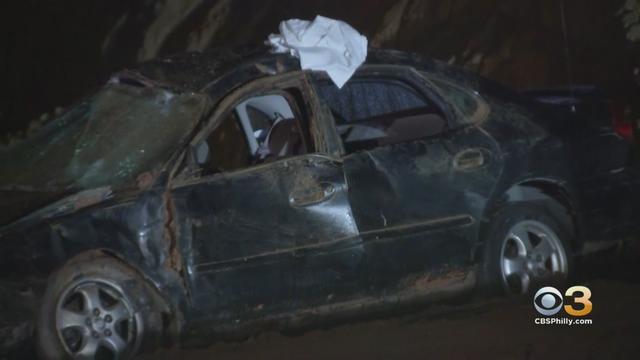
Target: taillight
622	127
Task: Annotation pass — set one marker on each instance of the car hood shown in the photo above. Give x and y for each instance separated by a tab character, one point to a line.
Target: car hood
19	206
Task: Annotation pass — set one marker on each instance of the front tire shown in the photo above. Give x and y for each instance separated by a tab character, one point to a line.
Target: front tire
95	308
526	247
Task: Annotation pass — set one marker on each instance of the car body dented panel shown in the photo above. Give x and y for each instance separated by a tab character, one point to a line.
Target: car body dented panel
129	227
254	227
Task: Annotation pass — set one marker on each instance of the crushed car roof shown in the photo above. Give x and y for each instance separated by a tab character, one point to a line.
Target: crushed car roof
194	71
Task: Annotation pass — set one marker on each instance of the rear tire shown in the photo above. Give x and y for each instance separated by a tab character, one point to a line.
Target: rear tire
525	248
96	308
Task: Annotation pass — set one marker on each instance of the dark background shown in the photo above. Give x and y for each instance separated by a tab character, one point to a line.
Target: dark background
56	51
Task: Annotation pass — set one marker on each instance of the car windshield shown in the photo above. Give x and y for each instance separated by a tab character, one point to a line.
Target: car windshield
107	140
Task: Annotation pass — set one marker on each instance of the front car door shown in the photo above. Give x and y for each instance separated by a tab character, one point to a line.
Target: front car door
264	222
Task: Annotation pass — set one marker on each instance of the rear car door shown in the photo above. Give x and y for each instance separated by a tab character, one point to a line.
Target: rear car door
264	229
418	181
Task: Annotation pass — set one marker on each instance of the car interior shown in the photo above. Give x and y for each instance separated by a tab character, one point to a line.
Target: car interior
368	112
371	112
259	129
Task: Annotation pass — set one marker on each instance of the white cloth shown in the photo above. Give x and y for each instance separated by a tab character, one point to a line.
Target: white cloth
324	44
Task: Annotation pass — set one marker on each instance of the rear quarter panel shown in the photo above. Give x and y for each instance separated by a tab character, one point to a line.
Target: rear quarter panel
531	153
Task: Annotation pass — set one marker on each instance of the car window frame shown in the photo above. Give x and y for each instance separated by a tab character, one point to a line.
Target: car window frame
482	109
404	74
186	172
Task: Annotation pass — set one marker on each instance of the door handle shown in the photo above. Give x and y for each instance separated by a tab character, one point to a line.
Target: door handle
469	159
314	195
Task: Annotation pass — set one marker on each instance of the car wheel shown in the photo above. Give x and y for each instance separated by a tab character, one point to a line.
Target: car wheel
525	248
95	308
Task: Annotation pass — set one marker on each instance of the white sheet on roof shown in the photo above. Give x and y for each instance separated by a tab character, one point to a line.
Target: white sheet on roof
323	44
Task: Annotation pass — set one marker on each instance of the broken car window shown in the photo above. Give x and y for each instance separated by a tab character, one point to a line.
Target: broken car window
258	129
375	112
107	140
227	146
260	116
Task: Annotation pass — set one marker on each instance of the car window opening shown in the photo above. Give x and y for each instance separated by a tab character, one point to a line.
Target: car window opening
375	112
259	129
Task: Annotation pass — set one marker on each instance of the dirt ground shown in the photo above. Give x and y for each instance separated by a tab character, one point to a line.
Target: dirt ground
478	329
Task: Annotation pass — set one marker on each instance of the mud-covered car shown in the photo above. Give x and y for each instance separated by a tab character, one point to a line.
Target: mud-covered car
210	195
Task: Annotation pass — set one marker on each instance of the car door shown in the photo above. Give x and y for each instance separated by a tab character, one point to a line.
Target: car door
418	180
265	239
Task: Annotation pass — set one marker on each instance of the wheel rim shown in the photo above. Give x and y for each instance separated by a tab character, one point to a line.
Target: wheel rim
94	320
531	253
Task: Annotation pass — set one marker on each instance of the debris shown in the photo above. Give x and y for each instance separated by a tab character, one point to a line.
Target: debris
324	44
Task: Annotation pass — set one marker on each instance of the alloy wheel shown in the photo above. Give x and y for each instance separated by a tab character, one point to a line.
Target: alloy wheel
94	320
531	253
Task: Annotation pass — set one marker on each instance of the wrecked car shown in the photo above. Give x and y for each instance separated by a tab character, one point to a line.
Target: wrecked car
211	195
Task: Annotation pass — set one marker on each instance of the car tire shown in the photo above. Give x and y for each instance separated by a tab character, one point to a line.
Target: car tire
96	307
525	247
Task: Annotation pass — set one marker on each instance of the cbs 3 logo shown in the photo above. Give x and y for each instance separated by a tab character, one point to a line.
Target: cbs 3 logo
548	301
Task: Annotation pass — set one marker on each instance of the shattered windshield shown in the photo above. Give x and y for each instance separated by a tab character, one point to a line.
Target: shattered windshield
107	140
